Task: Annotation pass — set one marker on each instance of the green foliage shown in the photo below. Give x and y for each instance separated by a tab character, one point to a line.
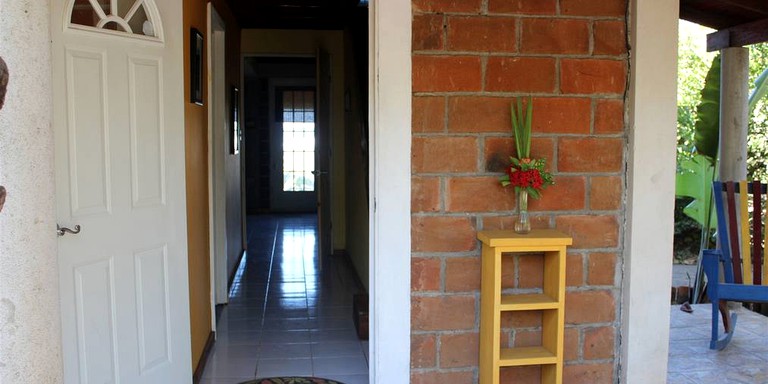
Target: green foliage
693	64
757	142
521	126
695	181
706	133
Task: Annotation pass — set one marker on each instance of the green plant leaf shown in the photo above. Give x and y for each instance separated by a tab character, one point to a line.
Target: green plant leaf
695	180
761	89
528	118
707	129
521	126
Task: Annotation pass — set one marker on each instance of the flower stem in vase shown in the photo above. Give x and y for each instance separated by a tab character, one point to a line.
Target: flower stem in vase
523	223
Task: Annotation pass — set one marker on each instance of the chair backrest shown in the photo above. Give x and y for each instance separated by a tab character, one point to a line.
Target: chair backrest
742	249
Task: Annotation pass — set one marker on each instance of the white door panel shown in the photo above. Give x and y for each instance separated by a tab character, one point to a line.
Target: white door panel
119	139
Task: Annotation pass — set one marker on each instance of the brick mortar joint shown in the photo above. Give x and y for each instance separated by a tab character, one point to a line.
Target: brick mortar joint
502	95
507	15
517	54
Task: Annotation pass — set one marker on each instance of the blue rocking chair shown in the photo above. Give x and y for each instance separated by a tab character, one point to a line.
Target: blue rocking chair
741	254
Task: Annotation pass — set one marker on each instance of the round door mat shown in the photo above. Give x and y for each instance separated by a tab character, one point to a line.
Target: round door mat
292	380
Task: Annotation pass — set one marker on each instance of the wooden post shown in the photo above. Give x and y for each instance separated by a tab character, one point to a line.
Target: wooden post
734	94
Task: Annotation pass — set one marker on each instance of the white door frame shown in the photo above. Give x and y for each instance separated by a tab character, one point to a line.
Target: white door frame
390	187
652	106
217	152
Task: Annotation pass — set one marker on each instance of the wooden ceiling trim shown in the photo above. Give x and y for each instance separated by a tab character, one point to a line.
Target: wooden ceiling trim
707	19
759	7
722	14
738	36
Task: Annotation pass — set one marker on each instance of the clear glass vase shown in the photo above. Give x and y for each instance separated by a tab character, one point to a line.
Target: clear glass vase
523	223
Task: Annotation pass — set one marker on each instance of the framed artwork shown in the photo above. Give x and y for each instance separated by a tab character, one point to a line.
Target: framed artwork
234	118
196	72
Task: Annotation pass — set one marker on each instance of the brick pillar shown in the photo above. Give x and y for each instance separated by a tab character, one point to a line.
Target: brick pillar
30	335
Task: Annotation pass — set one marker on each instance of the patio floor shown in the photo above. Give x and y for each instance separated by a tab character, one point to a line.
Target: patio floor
745	360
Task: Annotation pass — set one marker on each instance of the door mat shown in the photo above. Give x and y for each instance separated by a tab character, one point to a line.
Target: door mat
292	380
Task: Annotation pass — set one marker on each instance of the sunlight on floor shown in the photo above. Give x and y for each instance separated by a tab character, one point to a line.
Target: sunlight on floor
290	313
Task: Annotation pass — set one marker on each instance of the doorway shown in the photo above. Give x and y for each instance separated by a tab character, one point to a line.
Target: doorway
280	134
292	180
290	308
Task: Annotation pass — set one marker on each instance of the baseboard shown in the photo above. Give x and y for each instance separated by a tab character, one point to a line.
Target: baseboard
344	255
234	272
204	358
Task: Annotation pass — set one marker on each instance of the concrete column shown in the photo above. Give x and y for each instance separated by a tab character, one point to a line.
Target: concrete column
648	227
734	113
30	328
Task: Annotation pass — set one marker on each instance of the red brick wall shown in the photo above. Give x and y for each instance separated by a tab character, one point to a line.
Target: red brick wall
470	58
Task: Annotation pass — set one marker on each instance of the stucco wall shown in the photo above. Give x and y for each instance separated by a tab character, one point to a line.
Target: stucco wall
30	323
470	59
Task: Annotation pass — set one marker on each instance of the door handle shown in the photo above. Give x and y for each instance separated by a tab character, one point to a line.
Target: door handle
318	173
61	231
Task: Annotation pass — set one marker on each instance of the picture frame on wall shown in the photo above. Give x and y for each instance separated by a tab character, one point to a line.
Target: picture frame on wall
234	118
196	63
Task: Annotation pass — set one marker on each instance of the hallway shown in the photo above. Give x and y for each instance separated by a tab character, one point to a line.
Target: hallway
289	313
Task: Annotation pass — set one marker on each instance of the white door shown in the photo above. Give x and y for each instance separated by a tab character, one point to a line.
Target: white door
119	139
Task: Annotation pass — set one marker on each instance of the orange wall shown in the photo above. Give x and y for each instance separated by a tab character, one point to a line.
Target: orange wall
196	142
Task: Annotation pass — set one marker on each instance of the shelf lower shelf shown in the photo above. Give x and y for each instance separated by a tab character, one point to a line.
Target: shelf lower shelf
528	302
514	357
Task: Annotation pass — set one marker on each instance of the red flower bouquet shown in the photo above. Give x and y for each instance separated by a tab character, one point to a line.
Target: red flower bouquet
524	173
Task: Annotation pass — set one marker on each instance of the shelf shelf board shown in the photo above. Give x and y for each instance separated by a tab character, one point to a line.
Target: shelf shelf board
528	302
537	237
514	357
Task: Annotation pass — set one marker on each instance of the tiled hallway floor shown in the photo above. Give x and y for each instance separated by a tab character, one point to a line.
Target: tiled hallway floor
289	313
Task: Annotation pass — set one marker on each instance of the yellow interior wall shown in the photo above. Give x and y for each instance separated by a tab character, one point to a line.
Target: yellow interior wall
357	180
304	42
196	152
196	145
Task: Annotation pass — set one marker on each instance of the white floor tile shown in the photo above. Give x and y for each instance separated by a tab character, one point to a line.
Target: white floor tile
337	349
285	351
347	365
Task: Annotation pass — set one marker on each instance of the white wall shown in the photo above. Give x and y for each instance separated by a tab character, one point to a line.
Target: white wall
30	324
651	191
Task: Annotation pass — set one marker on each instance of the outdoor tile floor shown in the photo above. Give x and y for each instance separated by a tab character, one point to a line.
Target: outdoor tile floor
745	360
290	313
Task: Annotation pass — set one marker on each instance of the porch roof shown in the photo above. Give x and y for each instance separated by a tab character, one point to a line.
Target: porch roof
738	22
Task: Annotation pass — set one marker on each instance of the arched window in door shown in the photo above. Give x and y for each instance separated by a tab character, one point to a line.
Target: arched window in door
136	18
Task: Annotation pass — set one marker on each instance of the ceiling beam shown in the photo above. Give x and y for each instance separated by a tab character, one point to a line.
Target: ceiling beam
707	19
738	36
756	6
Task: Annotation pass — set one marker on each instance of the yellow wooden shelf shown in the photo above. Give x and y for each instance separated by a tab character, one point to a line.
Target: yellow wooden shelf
551	245
528	302
537	237
514	357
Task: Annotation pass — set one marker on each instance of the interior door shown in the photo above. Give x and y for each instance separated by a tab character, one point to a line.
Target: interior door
119	144
323	172
294	129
